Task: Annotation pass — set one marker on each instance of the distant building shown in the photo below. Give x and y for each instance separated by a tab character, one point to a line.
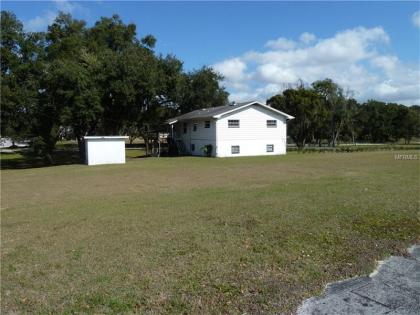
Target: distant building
7	142
239	129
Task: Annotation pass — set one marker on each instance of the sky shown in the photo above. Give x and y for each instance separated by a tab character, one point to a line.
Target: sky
372	49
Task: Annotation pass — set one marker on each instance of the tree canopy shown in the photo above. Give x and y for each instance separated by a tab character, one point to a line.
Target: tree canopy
104	79
325	112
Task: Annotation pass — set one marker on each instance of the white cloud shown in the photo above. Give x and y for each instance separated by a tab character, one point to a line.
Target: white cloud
307	38
356	59
281	43
232	69
415	18
66	6
243	96
41	22
387	63
273	73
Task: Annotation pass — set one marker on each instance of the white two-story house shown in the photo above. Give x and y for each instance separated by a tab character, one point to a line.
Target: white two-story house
241	129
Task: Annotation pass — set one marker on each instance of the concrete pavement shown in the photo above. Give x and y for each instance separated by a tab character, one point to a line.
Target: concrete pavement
393	289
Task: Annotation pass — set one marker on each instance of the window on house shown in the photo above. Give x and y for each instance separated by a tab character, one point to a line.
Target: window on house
235	149
192	147
207	124
195	127
272	123
233	123
270	147
185	127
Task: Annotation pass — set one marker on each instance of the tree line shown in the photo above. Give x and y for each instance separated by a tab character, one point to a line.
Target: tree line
325	114
74	80
77	80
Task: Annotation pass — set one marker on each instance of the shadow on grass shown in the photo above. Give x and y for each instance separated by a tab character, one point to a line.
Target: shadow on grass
66	155
26	159
138	157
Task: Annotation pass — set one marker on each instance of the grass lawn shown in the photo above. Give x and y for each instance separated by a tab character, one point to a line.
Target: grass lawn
200	235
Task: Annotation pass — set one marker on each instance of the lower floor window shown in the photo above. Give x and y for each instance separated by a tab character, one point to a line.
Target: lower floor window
270	147
192	147
235	149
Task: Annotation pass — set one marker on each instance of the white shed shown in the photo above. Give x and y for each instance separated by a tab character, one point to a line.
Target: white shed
105	149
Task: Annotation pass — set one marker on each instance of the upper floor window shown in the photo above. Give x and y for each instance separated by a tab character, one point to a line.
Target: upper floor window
185	127
233	123
195	127
207	124
272	123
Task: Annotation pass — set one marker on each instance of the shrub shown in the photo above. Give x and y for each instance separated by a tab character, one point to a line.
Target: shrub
207	149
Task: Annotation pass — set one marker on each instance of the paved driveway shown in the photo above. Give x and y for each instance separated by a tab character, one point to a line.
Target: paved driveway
393	289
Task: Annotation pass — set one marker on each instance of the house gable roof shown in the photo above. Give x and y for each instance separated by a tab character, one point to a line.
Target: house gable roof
218	112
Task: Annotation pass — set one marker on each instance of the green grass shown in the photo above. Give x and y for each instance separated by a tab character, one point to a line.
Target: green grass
135	153
200	235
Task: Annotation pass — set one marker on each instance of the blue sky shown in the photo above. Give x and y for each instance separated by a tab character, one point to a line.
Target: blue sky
370	48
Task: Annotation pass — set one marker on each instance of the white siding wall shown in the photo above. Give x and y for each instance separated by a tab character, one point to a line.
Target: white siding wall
253	135
201	137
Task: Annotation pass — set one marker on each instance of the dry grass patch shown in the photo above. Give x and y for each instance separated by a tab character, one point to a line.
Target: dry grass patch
199	235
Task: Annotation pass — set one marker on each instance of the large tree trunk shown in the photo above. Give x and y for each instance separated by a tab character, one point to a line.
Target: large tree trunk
146	144
49	150
336	133
332	141
82	149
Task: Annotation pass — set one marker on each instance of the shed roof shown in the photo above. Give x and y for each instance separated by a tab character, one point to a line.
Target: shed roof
217	112
104	137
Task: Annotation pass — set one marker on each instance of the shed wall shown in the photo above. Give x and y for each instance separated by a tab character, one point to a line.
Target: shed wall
105	151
